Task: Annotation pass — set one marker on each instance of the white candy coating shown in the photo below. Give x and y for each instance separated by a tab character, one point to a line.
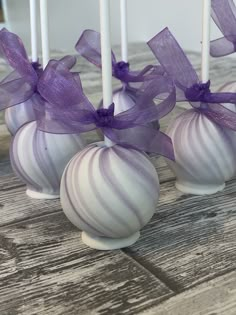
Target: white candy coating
109	192
39	159
204	153
18	115
123	101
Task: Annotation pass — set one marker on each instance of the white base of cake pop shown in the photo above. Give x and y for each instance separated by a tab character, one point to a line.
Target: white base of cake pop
195	189
105	243
38	195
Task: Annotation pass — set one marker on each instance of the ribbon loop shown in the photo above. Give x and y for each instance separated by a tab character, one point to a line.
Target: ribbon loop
21	84
224	16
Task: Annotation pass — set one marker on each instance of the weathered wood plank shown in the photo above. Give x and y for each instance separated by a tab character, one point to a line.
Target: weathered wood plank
191	239
16	206
45	269
10	181
216	297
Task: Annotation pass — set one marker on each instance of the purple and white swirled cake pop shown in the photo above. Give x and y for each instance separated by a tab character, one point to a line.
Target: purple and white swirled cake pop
18	87
204	153
39	158
205	157
110	192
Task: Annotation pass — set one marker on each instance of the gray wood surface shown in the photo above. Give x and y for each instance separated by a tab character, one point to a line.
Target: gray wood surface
190	239
183	263
45	269
216	297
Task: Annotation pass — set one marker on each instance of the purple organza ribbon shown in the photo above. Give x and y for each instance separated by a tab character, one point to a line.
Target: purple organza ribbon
63	108
224	15
89	46
188	88
20	85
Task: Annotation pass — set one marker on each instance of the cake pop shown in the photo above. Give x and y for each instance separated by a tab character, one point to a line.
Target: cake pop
204	152
39	158
109	192
18	87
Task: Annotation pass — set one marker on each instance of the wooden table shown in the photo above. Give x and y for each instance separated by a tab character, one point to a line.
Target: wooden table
183	264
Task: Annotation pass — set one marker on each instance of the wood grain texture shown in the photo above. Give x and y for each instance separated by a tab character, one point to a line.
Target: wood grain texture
191	239
10	181
45	269
216	297
16	206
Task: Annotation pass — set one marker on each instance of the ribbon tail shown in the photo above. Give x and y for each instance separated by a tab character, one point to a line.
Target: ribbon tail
221	115
89	47
221	47
143	138
164	46
13	51
223	97
224	15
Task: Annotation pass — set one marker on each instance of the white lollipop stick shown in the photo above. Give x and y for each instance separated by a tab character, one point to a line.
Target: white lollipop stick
106	56
33	30
206	27
44	31
124	30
